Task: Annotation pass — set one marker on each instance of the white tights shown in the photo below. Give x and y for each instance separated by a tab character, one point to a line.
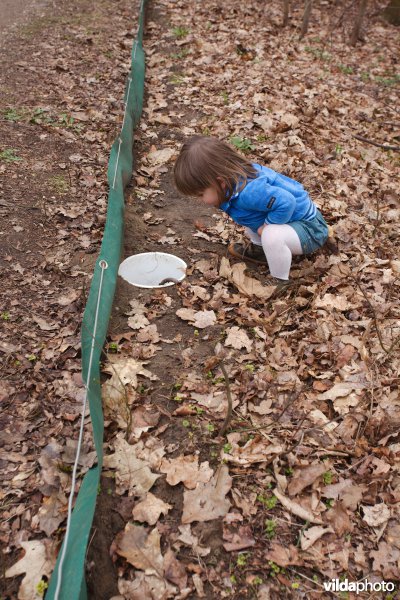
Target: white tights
280	243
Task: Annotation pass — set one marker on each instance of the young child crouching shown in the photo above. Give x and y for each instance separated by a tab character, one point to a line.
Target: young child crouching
279	217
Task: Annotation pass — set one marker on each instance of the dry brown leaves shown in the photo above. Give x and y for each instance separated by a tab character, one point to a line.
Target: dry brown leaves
307	480
313	374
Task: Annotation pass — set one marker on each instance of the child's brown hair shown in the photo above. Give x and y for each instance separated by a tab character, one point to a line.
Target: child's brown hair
204	161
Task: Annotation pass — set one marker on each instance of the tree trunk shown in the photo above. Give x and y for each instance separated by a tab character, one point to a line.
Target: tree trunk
355	36
286	5
306	18
392	12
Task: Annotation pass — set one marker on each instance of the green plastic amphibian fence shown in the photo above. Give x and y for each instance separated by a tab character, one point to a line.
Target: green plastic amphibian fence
68	579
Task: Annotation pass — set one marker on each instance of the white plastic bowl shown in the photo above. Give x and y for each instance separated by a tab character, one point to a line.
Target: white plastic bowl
148	269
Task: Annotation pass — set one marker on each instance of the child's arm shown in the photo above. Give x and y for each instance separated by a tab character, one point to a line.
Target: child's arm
277	204
280	206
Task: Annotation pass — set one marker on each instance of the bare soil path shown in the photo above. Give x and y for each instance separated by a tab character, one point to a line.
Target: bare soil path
15	12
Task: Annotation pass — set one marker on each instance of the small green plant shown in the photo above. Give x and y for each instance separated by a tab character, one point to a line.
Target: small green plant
185	423
66	121
64	468
227	448
180	54
250	367
320	54
365	76
210	427
261	137
60	185
388	81
180	32
32	357
327	477
289	471
206	131
178	398
177	79
241	560
225	97
233	579
5	316
295	585
42	587
345	69
270	528
329	502
40	116
257	580
11	114
269	503
199	411
196	333
275	570
113	347
242	144
8	155
338	149
177	386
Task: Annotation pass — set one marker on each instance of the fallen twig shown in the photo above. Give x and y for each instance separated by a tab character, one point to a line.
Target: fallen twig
306	431
384	146
297	509
275	421
229	396
374	316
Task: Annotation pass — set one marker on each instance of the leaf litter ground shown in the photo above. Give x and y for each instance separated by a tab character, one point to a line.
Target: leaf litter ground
304	487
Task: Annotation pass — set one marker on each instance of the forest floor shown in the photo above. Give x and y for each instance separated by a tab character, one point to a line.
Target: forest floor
304	486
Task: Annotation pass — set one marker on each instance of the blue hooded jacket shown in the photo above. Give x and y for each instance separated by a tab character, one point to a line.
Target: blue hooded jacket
269	198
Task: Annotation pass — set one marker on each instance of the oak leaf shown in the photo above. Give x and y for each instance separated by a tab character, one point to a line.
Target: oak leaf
238	338
38	561
246	285
302	478
150	509
186	469
141	548
132	473
207	501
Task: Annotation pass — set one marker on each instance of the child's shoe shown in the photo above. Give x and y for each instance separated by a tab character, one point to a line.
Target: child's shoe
249	251
281	285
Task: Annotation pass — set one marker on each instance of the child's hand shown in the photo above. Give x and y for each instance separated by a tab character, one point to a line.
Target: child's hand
260	229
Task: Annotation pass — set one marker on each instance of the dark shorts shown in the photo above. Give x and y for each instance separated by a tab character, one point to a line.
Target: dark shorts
313	234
